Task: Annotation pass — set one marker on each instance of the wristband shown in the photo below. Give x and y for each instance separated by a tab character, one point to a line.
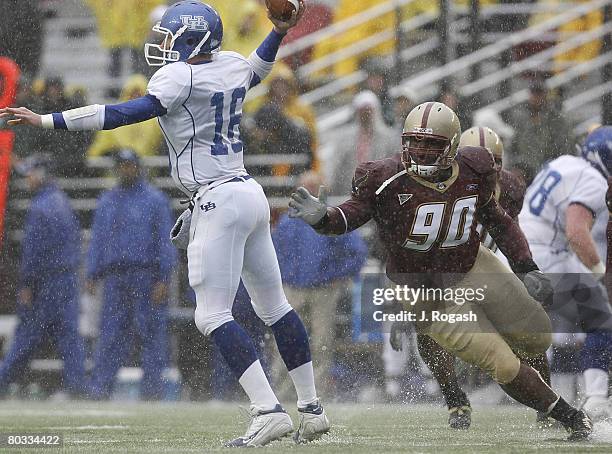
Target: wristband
47	121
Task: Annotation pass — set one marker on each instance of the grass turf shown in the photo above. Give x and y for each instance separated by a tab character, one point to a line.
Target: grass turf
118	427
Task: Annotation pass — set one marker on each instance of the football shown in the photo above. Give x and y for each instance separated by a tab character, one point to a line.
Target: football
282	9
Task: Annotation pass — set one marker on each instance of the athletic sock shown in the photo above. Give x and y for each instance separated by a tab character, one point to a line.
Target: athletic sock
303	380
292	341
239	353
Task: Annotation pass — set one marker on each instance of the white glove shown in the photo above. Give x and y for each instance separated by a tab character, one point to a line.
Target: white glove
305	206
179	235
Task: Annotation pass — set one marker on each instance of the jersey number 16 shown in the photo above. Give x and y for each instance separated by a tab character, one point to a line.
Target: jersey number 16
218	102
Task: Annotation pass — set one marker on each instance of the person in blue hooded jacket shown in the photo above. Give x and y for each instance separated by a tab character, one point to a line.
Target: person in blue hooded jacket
48	297
131	255
316	271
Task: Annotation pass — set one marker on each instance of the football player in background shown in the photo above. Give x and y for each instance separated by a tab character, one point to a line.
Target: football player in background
197	96
426	202
565	217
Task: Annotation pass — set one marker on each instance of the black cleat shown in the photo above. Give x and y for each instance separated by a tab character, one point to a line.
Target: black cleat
460	418
580	427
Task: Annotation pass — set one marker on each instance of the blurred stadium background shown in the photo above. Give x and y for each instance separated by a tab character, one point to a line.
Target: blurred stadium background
538	72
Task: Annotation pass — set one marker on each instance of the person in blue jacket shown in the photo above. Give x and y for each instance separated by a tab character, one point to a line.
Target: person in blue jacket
131	254
48	297
316	271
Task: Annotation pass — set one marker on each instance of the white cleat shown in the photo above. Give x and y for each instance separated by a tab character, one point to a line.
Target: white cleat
313	423
266	426
597	408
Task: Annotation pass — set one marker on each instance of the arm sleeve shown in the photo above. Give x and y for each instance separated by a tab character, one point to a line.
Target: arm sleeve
262	60
353	213
589	192
507	235
97	117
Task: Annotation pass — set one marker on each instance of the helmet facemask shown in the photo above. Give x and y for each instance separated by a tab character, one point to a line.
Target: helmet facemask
425	155
160	54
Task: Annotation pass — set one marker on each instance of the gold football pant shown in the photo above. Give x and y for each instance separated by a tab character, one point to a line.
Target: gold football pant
506	319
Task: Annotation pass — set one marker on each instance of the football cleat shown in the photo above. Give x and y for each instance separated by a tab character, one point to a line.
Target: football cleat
580	428
597	408
266	426
460	417
313	423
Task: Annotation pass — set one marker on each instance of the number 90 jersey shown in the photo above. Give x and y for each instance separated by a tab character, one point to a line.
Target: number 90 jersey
562	182
204	109
426	227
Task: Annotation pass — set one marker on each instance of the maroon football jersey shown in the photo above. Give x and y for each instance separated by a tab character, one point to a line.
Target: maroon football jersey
511	191
426	227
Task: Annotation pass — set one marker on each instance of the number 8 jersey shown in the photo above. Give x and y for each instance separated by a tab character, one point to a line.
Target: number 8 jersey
204	109
429	227
562	182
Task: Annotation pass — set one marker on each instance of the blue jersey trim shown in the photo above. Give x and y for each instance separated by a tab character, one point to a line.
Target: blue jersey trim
58	121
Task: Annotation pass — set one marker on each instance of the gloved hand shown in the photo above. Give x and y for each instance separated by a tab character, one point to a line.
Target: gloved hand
397	335
179	235
307	207
538	286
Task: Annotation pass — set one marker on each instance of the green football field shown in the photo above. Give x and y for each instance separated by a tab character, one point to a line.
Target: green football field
357	428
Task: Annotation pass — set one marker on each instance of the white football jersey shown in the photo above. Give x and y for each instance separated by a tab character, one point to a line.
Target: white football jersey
204	104
566	180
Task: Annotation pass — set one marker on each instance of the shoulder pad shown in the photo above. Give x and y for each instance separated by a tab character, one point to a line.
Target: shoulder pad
479	159
369	176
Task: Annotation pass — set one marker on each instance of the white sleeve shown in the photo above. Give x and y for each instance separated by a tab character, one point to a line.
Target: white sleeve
589	191
171	85
88	118
260	67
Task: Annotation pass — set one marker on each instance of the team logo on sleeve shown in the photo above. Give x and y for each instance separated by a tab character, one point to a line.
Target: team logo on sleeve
195	23
359	183
208	206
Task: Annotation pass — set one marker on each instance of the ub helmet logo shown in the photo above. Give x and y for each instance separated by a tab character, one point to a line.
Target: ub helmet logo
195	23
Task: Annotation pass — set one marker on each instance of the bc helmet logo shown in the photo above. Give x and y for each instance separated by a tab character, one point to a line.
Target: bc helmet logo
195	23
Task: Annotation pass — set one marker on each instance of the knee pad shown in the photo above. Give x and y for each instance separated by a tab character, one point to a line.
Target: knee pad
502	365
208	322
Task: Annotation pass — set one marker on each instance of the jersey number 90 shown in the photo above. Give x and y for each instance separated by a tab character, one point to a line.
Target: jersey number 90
428	222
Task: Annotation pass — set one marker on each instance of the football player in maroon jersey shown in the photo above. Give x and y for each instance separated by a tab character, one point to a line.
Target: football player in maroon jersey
426	202
510	192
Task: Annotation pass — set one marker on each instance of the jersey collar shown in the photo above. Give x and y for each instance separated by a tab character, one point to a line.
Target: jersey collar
440	186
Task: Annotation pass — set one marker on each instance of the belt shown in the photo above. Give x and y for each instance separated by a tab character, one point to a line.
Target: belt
191	202
237	179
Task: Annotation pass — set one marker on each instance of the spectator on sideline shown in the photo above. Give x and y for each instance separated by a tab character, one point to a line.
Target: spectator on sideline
367	138
378	83
404	100
48	299
66	147
131	254
144	138
273	132
284	92
316	271
544	132
123	25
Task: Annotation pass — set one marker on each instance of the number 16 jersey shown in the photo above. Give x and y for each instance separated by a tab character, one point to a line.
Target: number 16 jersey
564	181
202	124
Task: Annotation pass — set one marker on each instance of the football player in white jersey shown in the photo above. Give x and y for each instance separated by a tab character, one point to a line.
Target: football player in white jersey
564	218
197	96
